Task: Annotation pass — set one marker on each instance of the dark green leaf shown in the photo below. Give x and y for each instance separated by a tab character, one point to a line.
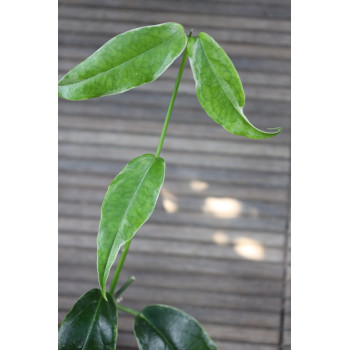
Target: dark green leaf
160	327
128	60
129	202
219	88
91	324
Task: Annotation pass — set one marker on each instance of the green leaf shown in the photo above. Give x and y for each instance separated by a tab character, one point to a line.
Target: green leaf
128	204
91	324
219	88
128	60
161	327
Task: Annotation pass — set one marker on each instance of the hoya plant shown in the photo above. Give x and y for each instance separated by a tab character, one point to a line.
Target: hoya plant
126	61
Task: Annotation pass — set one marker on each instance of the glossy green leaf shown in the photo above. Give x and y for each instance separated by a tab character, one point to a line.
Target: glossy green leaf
161	327
219	88
129	202
128	60
91	324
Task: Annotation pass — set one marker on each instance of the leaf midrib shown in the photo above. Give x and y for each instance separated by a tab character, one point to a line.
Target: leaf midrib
92	323
125	213
219	79
157	331
121	64
240	109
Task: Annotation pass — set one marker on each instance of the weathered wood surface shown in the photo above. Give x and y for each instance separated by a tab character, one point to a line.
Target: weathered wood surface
217	244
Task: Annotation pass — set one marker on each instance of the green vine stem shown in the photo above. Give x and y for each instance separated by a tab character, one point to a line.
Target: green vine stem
119	267
160	145
128	310
172	101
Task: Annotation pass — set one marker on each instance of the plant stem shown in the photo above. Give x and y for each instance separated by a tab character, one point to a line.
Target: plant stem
160	145
126	309
124	286
172	101
119	267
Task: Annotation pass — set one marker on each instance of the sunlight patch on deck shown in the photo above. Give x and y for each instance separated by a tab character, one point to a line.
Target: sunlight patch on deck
169	201
246	247
249	248
198	186
222	207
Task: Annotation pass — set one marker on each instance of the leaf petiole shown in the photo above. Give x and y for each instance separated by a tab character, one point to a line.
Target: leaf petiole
128	310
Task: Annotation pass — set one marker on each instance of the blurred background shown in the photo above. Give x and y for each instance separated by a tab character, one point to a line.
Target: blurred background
218	243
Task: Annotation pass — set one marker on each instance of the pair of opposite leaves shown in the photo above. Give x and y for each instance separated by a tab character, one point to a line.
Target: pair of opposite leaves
130	60
92	324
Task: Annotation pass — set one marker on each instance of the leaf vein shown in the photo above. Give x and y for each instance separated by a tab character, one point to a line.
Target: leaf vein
171	346
121	223
92	323
121	64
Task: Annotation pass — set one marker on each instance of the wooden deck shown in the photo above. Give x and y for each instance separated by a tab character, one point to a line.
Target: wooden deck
217	245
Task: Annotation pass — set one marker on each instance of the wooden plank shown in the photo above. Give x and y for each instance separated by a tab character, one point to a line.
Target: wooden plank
119	132
257	64
147	246
202	299
181	158
173	144
176	233
92	210
221	35
134	125
174	172
185	104
180	117
195	20
286	3
248	77
175	202
244	346
286	337
266	195
195	199
177	280
228	333
287	322
217	315
158	262
232	9
127	340
188	87
190	180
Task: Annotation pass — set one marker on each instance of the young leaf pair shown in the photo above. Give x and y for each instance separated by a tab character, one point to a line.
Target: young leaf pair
93	324
141	55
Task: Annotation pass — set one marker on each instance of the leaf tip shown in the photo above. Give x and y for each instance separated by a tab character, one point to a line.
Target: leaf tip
103	292
276	130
